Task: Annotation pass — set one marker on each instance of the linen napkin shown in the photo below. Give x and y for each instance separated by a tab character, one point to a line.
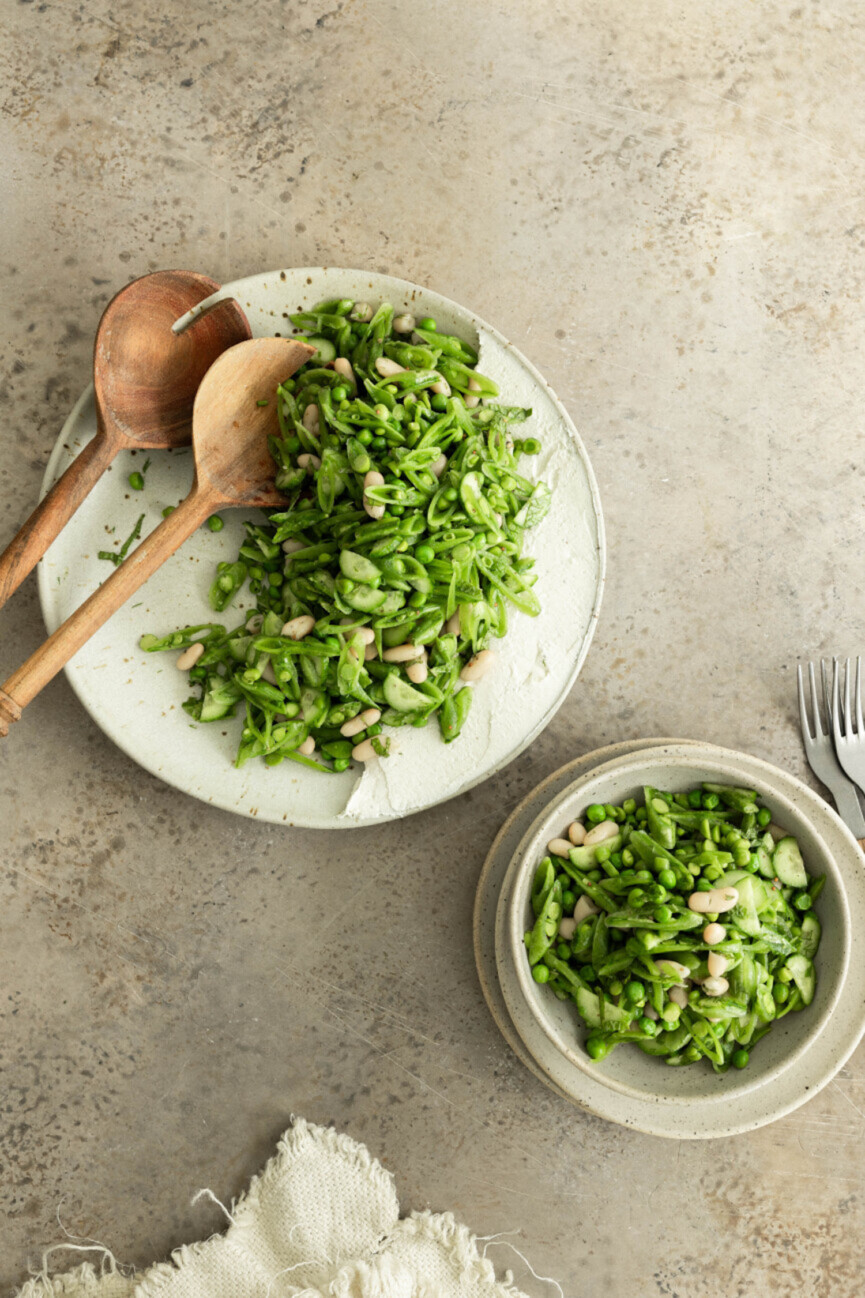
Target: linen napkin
321	1220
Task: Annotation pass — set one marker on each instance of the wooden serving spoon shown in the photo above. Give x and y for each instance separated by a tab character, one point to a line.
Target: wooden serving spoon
233	416
145	379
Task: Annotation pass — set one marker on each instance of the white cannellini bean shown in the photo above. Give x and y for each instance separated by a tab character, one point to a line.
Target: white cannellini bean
715	986
777	832
311	418
417	673
307	461
371	716
718	900
342	366
292	545
478	666
438	466
559	847
387	368
353	727
190	656
403	324
362	312
717	964
370	652
713	934
441	386
373	479
577	833
364	752
452	626
600	833
268	674
297	627
307	748
679	996
673	969
651	1013
365	635
567	928
472	401
583	909
403	653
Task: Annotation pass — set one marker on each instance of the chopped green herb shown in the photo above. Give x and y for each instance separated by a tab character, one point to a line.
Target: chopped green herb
117	557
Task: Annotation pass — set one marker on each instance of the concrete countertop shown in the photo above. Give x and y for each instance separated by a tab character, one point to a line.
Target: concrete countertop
664	207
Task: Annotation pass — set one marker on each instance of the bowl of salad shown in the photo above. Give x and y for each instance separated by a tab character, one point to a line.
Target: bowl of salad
681	929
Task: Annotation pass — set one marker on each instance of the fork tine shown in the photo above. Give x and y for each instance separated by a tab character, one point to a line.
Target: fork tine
818	727
837	732
803	711
859	725
827	691
848	715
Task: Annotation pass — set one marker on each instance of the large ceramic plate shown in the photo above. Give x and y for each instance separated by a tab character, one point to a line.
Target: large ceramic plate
136	698
698	1118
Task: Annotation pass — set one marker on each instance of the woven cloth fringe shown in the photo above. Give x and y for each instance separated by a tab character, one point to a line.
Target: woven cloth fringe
320	1221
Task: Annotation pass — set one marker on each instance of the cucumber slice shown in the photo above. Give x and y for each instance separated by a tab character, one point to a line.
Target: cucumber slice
788	864
359	568
811	931
325	350
804	976
365	599
402	696
590	1009
764	863
751	897
392	602
314	706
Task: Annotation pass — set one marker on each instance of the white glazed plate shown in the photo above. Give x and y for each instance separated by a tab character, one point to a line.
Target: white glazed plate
698	1116
136	698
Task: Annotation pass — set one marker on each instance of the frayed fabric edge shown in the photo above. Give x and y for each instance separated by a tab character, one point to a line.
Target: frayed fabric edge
460	1245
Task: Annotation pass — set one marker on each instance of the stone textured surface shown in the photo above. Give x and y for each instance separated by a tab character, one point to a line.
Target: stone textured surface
664	206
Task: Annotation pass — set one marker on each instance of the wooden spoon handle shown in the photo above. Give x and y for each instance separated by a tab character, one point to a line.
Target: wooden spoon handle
24	684
53	513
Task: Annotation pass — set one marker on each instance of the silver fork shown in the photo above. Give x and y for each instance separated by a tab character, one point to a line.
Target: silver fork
821	754
848	728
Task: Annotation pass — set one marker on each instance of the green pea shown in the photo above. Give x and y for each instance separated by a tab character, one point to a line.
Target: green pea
635	993
781	993
365	437
662	914
438	401
667	877
627	857
569	900
341	764
563	951
417	599
531	446
740	1058
428	323
647	1026
424	554
169	509
712	872
136	482
710	801
339	393
596	813
764	817
540	973
629	806
615	988
215	523
636	897
602	853
596	1048
450	494
692	1054
671	1013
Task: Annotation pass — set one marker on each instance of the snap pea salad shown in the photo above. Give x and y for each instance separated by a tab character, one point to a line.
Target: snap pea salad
399	553
684	924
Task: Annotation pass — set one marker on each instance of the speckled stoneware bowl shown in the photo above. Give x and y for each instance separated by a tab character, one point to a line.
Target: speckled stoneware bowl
721	1104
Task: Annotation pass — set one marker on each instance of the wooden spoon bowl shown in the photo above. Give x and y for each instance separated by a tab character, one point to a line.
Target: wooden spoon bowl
235	413
145	378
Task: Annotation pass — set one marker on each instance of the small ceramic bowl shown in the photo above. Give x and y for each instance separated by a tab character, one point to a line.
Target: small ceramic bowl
627	1070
